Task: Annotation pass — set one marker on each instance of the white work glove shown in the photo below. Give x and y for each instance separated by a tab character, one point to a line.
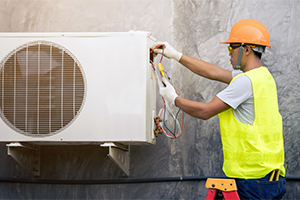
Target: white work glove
168	92
169	51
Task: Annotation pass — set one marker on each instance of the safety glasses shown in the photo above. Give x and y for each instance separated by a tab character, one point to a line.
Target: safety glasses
232	48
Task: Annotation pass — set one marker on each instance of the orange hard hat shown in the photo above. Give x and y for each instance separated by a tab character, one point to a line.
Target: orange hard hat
249	31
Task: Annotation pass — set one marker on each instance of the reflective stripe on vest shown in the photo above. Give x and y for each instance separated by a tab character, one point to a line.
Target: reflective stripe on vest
252	151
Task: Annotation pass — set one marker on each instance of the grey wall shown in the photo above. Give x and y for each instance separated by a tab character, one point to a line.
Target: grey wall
194	27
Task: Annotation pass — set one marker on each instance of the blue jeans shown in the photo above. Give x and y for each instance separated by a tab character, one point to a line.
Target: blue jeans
261	188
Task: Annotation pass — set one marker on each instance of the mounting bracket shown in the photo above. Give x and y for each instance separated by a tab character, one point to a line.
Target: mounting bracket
119	154
27	155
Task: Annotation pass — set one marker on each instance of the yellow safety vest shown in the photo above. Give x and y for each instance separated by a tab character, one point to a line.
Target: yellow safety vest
252	151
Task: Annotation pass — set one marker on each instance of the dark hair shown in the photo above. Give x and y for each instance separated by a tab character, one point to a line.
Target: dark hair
257	54
258	50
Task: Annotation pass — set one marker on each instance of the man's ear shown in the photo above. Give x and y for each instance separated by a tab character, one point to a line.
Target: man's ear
247	49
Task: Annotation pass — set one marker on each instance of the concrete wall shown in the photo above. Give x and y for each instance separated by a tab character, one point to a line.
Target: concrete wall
194	27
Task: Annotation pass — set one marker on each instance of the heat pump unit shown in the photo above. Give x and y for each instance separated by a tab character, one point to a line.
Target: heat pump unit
76	88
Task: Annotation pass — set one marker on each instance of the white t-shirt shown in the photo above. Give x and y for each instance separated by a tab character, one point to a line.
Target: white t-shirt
239	96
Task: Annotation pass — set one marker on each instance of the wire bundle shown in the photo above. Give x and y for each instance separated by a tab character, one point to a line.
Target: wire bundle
178	129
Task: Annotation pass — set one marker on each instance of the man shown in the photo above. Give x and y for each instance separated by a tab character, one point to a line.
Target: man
250	122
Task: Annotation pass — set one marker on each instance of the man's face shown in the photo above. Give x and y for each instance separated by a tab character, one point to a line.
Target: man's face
233	53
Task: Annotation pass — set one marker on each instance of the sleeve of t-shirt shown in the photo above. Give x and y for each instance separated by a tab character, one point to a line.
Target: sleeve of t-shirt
237	92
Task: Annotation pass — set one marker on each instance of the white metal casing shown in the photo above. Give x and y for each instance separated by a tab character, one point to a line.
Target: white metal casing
120	89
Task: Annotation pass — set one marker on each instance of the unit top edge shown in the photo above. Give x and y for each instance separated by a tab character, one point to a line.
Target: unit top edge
75	34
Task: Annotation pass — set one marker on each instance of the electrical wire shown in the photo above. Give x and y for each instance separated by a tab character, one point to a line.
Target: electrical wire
162	55
181	122
108	181
118	181
164	128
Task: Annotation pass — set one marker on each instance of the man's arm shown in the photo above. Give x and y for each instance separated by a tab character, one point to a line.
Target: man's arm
206	69
197	66
202	110
193	108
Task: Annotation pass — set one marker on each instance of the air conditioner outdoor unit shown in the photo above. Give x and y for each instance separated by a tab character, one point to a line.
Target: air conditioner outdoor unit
76	88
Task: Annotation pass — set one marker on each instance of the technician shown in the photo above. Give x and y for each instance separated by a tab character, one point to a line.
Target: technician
250	122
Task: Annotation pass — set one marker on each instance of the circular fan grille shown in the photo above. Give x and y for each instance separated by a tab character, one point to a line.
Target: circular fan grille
41	89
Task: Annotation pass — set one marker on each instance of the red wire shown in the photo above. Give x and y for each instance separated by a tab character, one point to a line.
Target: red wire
158	46
182	122
159	121
173	136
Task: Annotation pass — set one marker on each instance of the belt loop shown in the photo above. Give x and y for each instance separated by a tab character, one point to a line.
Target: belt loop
272	175
277	175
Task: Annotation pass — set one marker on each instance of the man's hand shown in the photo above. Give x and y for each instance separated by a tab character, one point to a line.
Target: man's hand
169	51
168	92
